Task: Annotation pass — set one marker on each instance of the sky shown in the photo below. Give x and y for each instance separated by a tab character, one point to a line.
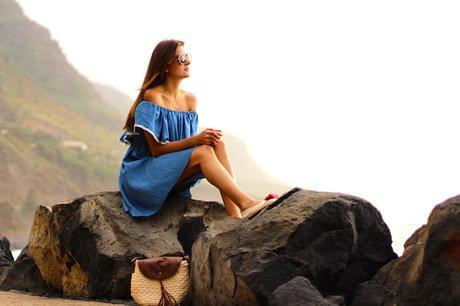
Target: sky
357	97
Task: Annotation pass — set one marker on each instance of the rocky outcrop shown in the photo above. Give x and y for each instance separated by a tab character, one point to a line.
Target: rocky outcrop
24	275
309	248
326	244
84	248
335	240
428	272
6	258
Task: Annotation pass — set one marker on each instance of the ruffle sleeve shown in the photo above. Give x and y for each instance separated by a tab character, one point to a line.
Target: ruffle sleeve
126	137
152	120
163	124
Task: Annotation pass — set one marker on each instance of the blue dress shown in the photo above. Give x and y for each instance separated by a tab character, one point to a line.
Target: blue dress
146	181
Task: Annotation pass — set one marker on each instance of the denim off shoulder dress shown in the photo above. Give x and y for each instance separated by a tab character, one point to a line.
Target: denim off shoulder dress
146	181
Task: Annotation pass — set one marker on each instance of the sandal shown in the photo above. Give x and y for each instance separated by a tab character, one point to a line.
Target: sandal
251	211
271	196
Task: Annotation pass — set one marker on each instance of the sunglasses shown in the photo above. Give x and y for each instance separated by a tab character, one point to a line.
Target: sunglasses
181	58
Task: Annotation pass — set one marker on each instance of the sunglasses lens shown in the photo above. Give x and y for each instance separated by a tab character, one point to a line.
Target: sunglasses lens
183	57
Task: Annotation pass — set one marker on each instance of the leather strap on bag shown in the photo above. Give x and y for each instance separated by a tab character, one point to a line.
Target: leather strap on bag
160	267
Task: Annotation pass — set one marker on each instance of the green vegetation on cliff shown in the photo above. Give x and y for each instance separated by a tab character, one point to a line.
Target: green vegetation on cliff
44	103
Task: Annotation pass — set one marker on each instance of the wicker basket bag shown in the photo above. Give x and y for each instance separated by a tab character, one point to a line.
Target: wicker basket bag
160	281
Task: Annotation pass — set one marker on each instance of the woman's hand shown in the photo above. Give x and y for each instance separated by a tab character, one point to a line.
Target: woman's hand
209	136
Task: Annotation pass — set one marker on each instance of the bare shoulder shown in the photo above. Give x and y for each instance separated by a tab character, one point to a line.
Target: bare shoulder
154	95
191	101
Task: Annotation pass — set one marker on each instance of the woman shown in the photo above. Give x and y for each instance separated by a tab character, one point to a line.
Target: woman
166	155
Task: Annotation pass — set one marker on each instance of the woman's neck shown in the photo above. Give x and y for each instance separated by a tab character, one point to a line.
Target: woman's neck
171	89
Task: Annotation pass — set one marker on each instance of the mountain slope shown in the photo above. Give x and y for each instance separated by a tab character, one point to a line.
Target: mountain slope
113	97
44	104
29	49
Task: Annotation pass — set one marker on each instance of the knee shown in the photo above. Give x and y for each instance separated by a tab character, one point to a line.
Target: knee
205	151
221	145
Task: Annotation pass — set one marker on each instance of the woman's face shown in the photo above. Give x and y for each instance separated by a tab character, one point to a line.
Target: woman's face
177	69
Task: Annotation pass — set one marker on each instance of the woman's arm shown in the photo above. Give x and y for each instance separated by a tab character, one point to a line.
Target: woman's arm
157	149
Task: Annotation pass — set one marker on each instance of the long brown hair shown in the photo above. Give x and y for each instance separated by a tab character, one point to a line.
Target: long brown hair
163	54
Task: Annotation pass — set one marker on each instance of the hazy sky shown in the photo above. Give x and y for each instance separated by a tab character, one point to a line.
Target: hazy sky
359	97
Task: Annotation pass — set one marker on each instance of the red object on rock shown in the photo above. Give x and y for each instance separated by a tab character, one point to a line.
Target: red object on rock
271	196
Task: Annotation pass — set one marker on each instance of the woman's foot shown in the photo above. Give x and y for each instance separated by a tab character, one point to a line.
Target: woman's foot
255	208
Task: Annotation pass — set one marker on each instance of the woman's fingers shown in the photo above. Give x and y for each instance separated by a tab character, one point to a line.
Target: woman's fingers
210	138
213	136
215	130
216	138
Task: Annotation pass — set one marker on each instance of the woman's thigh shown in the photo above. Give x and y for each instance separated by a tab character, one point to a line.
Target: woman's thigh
199	154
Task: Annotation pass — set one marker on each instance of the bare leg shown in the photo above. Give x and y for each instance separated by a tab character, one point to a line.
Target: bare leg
230	207
217	175
223	156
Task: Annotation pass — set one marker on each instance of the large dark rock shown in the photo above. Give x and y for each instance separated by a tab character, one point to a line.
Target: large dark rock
6	258
428	272
84	248
25	276
335	240
299	291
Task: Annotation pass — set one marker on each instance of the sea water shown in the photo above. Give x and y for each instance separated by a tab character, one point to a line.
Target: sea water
16	253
